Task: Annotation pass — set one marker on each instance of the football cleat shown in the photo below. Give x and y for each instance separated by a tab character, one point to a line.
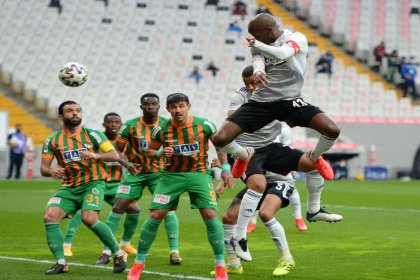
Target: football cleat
251	227
283	267
103	259
324	169
175	259
67	251
323	215
240	165
220	273
120	263
241	249
231	270
135	271
129	249
300	224
57	269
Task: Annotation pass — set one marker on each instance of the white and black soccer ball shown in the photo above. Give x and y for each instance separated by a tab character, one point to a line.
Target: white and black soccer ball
73	74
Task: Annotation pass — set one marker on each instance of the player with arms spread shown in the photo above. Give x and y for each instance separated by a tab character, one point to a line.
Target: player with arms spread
81	154
185	144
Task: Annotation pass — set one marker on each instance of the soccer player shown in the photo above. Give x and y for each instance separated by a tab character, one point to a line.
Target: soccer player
185	144
288	160
81	154
279	61
112	123
143	171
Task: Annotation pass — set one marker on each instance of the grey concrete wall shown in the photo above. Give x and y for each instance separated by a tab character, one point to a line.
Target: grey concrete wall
396	144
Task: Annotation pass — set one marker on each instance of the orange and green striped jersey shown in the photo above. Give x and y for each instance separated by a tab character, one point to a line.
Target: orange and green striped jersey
190	144
136	133
66	150
114	169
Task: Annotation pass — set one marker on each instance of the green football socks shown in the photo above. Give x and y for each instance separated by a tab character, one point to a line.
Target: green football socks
72	226
105	235
215	236
147	236
130	225
172	230
55	239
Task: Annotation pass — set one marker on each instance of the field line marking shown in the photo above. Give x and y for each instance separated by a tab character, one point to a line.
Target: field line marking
179	276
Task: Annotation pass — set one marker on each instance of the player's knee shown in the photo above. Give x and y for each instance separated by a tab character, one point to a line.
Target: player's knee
49	218
265	215
219	140
333	131
89	217
157	215
119	206
229	218
132	209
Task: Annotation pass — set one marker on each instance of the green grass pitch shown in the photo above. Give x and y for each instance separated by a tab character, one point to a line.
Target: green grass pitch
379	237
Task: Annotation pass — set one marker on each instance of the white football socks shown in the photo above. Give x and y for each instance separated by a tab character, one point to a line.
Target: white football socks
235	149
279	238
295	201
233	260
314	185
323	145
248	206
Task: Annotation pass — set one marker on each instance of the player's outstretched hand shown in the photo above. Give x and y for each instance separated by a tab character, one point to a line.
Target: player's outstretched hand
250	41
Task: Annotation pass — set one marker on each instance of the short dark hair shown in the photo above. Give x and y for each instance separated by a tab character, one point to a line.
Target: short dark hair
60	108
248	71
149	94
176	97
111	114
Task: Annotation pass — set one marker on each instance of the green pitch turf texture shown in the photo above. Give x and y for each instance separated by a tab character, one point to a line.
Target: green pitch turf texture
379	237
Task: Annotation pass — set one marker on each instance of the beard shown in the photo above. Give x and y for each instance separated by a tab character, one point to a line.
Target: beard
72	122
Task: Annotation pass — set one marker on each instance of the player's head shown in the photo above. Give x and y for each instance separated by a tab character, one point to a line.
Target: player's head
178	105
264	28
248	78
149	104
70	113
112	123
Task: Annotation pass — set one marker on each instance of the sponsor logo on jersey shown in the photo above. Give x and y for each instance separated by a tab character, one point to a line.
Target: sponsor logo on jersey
124	189
186	149
161	199
272	61
54	200
73	155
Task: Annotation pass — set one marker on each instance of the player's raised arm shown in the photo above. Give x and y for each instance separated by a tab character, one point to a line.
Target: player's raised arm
283	52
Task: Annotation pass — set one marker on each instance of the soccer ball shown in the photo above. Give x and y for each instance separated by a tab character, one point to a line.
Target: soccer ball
73	74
